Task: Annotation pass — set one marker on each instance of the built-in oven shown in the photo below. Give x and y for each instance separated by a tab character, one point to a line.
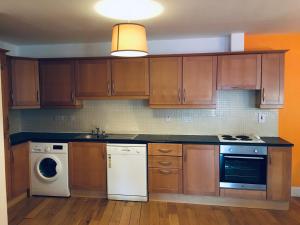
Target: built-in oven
243	167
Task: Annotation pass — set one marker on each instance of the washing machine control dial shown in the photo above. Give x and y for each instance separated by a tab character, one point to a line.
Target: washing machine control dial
48	149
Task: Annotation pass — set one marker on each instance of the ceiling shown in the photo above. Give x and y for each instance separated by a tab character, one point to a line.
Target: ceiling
72	21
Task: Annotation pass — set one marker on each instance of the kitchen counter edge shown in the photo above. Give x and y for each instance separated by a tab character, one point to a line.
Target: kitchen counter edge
21	137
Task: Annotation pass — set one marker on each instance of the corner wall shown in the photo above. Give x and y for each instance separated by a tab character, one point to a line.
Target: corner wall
289	116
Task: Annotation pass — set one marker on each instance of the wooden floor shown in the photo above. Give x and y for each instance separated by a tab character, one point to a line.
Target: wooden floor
64	211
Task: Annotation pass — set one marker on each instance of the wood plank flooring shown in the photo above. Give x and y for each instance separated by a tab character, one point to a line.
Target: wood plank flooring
64	211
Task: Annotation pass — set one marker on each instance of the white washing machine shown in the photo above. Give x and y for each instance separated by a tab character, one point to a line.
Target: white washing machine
49	169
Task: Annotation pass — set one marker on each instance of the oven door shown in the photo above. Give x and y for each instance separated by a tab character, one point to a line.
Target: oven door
243	171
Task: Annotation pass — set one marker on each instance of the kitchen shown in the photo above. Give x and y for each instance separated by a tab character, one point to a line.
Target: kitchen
189	127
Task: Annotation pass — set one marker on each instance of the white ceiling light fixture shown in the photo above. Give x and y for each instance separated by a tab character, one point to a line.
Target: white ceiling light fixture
129	9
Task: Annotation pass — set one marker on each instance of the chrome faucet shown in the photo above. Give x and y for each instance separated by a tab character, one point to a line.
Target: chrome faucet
98	132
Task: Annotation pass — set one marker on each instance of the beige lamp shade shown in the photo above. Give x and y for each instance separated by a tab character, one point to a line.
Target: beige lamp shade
129	40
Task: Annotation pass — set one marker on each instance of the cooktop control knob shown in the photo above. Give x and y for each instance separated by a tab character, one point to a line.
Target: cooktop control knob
255	151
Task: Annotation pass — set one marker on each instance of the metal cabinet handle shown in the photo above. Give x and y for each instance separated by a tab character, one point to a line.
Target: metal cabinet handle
7	121
37	96
113	87
184	95
109	160
270	160
164	150
12	156
165	172
263	94
108	88
12	98
72	96
165	163
179	95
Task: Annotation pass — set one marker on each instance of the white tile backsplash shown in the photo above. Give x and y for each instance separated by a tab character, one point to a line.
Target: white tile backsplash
235	113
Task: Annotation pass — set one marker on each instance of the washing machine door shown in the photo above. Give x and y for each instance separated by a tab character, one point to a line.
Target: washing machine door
48	168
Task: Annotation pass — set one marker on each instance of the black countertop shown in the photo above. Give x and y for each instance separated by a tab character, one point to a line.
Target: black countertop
21	137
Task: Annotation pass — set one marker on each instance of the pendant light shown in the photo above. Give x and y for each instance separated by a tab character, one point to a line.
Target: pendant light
129	40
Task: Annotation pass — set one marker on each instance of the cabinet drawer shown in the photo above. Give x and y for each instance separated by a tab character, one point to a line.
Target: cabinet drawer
165	162
163	180
165	149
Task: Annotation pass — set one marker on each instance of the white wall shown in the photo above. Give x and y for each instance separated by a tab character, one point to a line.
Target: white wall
13	49
3	204
195	45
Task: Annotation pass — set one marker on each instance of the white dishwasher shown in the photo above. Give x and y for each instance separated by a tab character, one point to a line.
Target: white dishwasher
127	172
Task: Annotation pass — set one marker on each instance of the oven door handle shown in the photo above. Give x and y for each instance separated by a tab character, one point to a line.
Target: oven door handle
244	157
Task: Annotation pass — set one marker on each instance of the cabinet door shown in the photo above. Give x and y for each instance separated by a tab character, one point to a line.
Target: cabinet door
239	72
93	79
199	80
25	83
279	173
130	77
201	169
88	166
20	169
165	81
272	81
57	83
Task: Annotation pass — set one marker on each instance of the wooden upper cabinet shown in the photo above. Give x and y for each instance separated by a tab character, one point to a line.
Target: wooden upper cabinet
165	81
19	169
24	83
279	173
201	169
130	77
271	95
57	80
199	80
93	78
88	166
242	71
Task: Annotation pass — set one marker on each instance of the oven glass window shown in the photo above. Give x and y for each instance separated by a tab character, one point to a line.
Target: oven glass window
243	169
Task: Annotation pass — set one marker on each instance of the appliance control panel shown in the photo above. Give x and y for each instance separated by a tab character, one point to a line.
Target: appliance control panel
54	148
243	149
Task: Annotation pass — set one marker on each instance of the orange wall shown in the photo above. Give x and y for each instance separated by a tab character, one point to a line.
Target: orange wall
289	116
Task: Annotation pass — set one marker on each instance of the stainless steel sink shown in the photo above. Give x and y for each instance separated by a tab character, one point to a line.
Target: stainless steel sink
92	136
107	136
121	136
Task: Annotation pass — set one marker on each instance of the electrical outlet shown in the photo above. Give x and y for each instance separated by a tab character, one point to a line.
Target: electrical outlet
262	117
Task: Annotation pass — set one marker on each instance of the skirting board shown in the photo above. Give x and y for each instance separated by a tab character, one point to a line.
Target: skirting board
295	192
220	201
17	199
87	194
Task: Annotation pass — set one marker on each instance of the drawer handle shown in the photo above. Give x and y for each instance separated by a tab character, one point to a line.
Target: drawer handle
165	163
165	172
165	150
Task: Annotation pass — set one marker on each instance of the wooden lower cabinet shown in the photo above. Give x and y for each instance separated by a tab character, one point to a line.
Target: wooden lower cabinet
201	169
279	173
87	166
19	169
